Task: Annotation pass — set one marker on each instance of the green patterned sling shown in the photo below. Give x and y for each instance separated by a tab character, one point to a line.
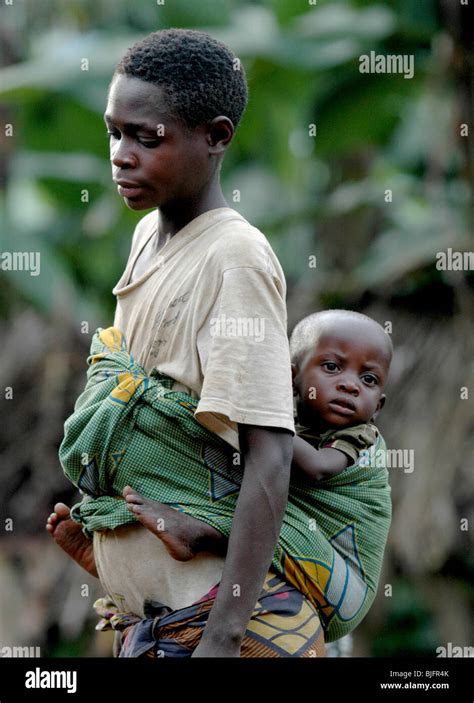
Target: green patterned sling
130	428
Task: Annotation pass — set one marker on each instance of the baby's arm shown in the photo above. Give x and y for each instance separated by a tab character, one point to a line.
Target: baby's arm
317	464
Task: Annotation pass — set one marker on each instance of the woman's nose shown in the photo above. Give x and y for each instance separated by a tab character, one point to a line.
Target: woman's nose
122	156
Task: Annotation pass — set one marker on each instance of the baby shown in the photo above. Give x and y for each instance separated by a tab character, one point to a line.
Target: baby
340	363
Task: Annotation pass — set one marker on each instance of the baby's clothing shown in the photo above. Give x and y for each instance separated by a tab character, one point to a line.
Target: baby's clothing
350	440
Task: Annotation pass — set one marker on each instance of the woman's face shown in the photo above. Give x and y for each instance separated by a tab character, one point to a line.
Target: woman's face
156	160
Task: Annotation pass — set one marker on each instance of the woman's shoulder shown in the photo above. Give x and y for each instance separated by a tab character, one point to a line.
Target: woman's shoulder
242	245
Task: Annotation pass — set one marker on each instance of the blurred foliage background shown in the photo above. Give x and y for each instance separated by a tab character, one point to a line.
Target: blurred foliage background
322	196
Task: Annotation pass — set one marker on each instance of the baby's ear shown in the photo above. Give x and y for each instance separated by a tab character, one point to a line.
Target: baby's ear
294	373
380	405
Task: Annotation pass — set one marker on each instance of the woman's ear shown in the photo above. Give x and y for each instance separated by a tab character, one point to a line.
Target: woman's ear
220	131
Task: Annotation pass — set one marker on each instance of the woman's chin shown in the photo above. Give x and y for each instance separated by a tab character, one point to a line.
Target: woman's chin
139	204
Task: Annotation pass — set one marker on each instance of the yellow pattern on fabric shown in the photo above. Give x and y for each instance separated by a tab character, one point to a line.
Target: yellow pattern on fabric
112	338
127	385
288	633
309	577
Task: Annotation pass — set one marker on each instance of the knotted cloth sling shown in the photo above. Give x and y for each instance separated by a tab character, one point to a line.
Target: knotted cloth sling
130	428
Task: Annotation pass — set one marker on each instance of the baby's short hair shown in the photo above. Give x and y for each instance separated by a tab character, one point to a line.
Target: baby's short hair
307	330
200	76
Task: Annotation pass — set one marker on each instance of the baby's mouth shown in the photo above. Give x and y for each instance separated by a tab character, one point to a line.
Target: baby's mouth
343	406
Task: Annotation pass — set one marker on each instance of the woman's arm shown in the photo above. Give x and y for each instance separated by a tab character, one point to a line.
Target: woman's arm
254	534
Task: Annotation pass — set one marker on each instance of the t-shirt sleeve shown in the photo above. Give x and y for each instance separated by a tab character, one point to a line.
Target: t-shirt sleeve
247	370
351	440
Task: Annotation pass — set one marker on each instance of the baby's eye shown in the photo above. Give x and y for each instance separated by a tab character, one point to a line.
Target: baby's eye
369	379
330	365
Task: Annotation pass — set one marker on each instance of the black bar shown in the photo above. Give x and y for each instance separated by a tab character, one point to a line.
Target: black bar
150	680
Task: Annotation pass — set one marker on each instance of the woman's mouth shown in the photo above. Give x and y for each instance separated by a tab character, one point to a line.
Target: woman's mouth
129	191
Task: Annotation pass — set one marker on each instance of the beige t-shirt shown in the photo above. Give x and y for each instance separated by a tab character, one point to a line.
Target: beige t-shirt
210	312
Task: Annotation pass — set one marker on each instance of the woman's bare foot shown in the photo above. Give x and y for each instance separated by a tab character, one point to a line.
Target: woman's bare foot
183	535
70	537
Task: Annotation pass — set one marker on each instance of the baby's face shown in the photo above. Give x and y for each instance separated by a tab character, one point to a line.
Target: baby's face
341	381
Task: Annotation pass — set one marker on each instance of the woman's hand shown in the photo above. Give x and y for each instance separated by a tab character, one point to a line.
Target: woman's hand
205	649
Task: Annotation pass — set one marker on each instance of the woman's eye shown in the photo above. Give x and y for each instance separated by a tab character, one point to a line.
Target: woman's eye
149	143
